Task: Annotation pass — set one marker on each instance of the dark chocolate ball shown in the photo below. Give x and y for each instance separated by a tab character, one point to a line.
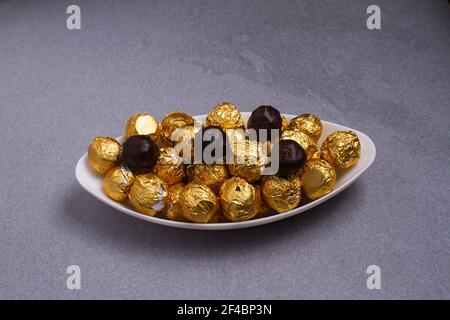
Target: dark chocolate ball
140	153
208	135
292	157
265	117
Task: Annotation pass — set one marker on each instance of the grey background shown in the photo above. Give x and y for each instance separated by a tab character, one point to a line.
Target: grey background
60	88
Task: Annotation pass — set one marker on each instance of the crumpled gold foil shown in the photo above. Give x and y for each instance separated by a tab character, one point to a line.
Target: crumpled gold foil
142	124
103	154
237	198
226	116
281	194
172	208
309	124
318	179
212	175
147	194
284	123
198	202
173	121
311	148
262	208
117	183
342	149
169	167
249	159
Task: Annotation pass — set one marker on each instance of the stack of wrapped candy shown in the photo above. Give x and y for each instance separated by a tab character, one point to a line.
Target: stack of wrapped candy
149	171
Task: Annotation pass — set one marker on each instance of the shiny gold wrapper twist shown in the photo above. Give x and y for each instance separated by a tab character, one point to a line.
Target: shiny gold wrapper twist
103	154
147	194
212	175
173	121
342	149
226	116
250	158
311	148
309	124
172	208
169	167
237	198
198	202
318	179
117	183
281	194
142	124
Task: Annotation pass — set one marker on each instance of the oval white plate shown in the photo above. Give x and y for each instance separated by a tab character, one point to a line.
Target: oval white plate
92	182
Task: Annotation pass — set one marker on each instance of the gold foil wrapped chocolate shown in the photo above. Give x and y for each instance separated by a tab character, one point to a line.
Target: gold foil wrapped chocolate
103	154
226	116
281	194
261	207
284	123
309	124
142	124
342	149
173	121
198	202
237	198
147	194
212	175
311	148
117	183
169	167
172	208
318	179
249	159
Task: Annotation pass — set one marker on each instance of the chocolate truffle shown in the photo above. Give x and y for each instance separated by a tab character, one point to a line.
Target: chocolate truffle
238	197
265	117
292	157
318	179
103	154
309	124
281	194
147	194
142	124
140	153
226	116
342	149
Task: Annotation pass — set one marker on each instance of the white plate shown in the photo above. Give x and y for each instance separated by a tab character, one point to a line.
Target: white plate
92	182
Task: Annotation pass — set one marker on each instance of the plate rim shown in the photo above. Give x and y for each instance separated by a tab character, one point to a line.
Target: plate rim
232	225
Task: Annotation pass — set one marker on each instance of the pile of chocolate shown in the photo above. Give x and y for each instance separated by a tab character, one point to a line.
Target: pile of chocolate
149	171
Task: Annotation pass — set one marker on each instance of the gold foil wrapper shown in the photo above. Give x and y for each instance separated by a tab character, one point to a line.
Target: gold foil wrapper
342	149
281	194
147	194
169	167
237	198
311	148
226	116
142	124
117	183
198	202
172	208
262	208
103	154
318	179
284	123
309	124
173	121
212	175
249	159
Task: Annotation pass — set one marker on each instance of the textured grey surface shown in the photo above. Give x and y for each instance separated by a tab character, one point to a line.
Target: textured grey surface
60	88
